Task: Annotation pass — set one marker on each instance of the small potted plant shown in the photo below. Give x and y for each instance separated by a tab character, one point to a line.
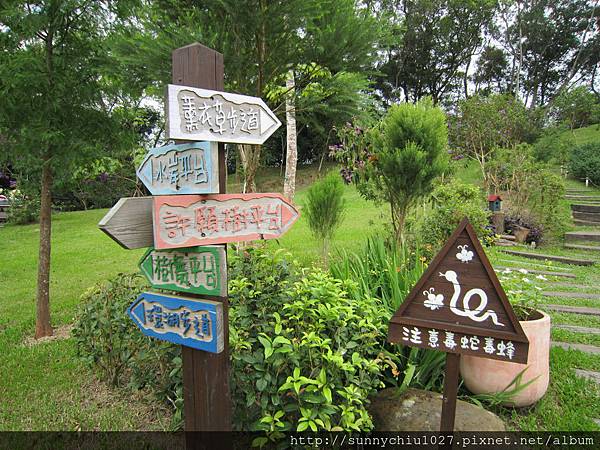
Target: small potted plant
528	382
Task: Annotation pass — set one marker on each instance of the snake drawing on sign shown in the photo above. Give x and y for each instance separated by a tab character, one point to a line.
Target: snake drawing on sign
478	314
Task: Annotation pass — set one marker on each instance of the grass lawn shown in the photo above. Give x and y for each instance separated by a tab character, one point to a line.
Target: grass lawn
45	387
584	135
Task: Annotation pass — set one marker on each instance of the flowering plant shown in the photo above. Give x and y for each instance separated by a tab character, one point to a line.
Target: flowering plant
522	290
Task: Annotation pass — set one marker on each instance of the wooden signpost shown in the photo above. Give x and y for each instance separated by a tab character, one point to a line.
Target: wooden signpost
459	307
207	115
196	270
186	220
181	169
181	320
175	225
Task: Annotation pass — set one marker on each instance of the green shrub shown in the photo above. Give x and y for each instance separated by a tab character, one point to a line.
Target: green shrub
107	339
554	146
305	354
585	162
451	202
24	208
324	208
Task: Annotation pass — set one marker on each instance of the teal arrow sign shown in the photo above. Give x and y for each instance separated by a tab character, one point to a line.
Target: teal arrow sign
190	168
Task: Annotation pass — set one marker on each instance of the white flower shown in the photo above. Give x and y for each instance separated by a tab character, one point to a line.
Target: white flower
526	280
507	270
538	288
523	271
542	277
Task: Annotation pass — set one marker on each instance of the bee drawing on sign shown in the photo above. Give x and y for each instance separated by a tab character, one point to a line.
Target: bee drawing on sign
464	255
433	301
477	314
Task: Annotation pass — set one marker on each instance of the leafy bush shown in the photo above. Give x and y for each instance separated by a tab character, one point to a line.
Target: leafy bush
536	230
451	202
324	208
305	354
554	146
386	271
522	291
109	342
585	162
24	208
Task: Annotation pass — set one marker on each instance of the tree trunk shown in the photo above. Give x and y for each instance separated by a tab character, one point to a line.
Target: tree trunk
42	324
291	157
250	156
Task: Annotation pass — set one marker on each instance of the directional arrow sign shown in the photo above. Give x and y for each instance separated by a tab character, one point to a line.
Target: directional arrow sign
202	115
129	222
190	168
186	321
199	270
188	220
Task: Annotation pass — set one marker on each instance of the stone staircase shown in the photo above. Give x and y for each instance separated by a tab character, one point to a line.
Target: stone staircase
583	240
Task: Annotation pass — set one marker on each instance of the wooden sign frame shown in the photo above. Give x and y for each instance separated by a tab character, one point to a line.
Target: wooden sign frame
460	337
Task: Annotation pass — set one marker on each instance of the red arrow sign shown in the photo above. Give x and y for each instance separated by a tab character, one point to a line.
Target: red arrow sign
189	220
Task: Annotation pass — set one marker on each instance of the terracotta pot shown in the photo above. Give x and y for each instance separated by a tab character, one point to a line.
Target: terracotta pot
484	376
520	233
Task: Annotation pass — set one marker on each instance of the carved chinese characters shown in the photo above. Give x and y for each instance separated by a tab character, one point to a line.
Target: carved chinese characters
190	322
200	114
199	270
184	221
181	169
458	306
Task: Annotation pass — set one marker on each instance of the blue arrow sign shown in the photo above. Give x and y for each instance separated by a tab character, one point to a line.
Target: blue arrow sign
186	321
190	168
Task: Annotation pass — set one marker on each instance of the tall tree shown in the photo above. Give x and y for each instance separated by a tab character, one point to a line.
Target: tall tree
291	155
550	43
434	43
55	109
261	42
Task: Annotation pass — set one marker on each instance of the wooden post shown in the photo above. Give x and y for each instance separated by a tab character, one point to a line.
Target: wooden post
207	401
450	391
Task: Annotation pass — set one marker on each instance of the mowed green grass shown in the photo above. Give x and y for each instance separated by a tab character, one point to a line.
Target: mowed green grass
44	386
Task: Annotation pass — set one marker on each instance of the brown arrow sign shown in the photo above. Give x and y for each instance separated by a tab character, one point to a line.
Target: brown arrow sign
189	220
129	222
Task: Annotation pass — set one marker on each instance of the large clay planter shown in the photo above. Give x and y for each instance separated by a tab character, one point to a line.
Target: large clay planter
484	376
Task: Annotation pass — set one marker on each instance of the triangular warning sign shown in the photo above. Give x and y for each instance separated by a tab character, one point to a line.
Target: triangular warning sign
460	296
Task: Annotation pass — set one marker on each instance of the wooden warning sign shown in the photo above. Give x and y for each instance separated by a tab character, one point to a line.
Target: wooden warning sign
459	307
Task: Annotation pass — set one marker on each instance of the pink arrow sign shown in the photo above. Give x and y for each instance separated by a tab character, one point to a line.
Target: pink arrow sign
189	220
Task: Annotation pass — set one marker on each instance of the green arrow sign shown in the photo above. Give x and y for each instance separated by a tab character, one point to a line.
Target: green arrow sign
199	270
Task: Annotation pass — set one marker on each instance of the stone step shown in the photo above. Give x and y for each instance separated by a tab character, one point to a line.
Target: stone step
585	223
594	248
587	216
583	236
591	349
531	263
582	197
539	272
577	329
508	237
571	295
583	310
589	374
562	259
505	243
585	208
555	284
